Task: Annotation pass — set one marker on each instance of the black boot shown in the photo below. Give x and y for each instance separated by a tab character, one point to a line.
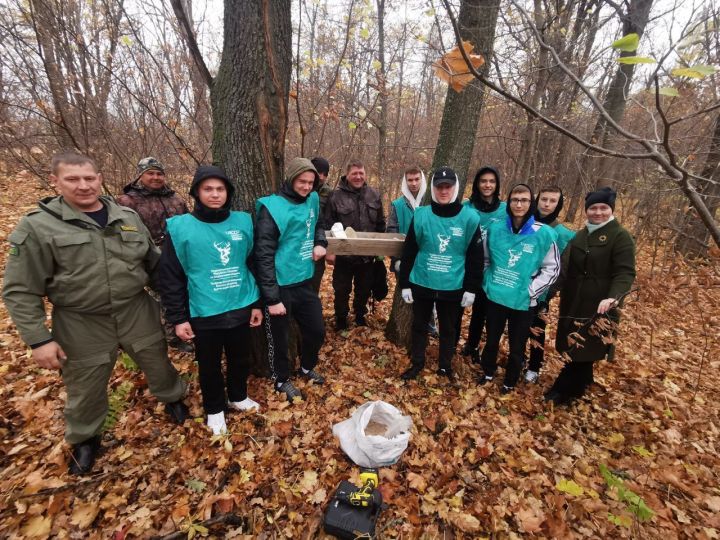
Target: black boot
178	411
360	320
83	456
411	373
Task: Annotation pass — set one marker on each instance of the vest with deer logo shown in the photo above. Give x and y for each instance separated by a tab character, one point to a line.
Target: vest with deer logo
515	259
296	223
214	258
442	245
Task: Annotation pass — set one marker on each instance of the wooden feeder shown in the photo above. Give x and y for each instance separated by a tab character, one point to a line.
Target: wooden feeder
365	243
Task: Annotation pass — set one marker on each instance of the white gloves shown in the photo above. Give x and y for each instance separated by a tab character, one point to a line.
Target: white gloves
397	265
467	299
407	296
533	302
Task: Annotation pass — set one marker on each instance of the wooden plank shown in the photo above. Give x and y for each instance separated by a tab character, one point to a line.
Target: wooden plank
366	243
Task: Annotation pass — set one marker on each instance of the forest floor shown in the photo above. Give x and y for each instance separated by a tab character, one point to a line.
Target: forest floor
637	458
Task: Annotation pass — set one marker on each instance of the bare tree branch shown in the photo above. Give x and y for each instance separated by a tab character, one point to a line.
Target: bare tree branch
192	44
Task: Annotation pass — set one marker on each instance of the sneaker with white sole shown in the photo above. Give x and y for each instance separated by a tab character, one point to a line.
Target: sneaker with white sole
531	376
246	404
216	423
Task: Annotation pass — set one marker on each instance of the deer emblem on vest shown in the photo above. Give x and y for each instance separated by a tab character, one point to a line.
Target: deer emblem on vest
444	241
514	257
224	250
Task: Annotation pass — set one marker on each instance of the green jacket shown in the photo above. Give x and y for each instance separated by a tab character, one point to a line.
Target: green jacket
594	267
59	252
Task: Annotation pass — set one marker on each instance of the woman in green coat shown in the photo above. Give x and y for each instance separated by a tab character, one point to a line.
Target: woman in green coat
598	268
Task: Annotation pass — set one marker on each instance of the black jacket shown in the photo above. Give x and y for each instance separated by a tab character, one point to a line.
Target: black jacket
474	259
172	284
267	237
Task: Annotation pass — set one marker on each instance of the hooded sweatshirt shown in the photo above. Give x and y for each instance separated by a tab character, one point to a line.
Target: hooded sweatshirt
286	233
402	208
206	274
564	234
489	211
521	262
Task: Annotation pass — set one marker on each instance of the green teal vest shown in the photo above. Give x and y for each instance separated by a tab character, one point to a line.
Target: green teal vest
404	214
296	223
213	256
514	260
564	235
442	245
487	218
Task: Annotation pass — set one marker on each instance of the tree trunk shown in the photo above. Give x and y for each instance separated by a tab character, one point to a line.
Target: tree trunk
456	141
693	239
634	21
477	20
383	98
397	330
249	97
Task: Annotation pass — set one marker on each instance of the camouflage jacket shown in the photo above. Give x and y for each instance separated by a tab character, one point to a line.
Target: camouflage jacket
154	207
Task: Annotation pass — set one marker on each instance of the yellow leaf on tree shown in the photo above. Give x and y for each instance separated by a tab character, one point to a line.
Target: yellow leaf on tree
570	487
453	69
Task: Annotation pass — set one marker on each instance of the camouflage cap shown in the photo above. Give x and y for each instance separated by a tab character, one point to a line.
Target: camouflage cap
145	164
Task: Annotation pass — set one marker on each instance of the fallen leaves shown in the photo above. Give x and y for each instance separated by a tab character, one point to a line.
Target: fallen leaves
478	465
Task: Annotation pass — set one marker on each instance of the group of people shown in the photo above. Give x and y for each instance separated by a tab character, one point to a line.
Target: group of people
218	273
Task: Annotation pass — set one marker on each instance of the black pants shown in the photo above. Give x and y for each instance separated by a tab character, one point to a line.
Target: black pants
518	323
574	379
301	303
209	346
447	312
318	275
477	321
537	343
345	272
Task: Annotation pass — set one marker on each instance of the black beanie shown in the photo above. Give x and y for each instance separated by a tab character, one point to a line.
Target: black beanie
321	164
604	195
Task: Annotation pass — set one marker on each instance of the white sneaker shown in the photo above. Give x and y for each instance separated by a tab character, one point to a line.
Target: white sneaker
531	376
216	422
245	405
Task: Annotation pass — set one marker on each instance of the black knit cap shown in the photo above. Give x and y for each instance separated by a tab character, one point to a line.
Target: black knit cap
444	175
321	164
604	195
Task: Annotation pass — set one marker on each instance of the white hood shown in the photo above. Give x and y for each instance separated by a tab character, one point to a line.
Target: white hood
415	202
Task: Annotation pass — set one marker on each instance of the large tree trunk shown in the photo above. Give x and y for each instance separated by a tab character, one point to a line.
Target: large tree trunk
693	238
634	21
477	20
249	97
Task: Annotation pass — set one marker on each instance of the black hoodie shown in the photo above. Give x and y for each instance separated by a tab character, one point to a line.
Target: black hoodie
476	198
172	280
552	216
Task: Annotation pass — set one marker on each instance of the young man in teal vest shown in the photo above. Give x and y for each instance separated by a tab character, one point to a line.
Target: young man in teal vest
209	291
485	200
441	265
549	203
522	261
287	244
413	188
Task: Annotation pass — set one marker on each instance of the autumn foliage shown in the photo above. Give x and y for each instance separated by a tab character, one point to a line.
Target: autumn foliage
637	458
